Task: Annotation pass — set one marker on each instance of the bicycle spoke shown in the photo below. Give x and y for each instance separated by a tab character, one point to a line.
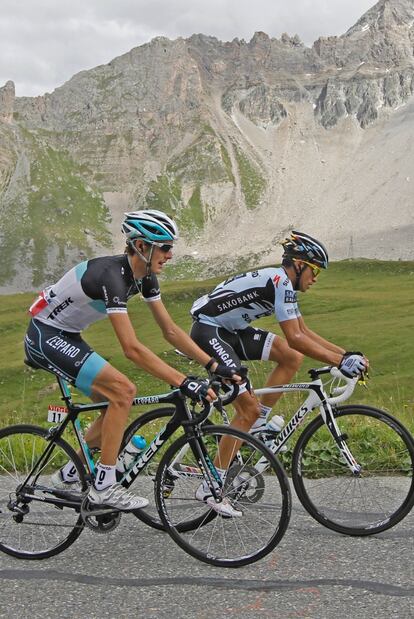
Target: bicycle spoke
222	540
30	526
362	504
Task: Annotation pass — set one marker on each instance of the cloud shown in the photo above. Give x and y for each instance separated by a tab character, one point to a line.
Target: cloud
44	43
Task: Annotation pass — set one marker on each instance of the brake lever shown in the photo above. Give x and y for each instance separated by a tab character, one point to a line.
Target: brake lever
216	386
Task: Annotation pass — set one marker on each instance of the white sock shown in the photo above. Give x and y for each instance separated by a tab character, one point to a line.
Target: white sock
69	472
105	476
265	411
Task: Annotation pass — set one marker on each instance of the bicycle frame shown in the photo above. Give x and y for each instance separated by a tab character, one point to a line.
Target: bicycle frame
317	398
182	417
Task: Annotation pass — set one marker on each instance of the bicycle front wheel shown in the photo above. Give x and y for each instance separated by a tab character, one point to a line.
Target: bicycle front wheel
37	519
367	503
255	484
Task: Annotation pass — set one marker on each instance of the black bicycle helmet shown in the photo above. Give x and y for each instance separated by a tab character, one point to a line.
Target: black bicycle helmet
304	247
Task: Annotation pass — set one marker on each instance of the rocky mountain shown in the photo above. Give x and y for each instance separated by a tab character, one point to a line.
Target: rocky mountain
239	141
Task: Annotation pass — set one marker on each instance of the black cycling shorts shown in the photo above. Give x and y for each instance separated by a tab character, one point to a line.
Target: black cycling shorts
64	353
231	347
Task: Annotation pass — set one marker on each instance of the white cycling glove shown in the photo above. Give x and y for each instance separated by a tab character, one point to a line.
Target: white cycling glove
352	364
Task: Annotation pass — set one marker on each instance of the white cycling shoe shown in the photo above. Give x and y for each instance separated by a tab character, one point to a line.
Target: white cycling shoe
118	497
224	508
63	484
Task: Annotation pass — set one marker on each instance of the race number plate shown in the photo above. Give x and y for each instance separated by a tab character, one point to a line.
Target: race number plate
56	414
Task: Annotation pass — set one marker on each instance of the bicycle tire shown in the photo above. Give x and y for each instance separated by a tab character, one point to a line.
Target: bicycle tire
356	505
226	542
148	425
22	535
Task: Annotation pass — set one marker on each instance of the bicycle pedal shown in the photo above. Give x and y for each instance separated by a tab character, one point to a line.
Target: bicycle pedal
167	490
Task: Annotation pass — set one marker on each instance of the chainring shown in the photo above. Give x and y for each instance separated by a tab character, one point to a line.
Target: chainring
99	520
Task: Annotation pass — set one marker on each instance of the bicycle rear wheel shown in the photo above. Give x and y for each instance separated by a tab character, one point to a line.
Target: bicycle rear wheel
371	502
265	504
37	520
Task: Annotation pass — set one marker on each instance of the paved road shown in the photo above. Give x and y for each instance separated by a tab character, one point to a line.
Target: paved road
137	572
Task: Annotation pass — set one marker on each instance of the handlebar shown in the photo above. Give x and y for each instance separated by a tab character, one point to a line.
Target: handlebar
216	385
199	418
344	391
337	394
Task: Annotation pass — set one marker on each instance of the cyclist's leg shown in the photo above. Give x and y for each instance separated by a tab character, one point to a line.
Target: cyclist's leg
230	348
257	344
68	355
119	391
288	363
247	412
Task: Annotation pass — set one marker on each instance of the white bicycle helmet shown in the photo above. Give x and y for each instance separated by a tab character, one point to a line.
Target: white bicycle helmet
149	225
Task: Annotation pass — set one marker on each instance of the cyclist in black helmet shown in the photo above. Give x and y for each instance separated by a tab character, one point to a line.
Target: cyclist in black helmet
222	328
101	288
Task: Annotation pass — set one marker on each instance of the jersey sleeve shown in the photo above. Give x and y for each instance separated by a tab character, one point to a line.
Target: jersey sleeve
114	296
286	305
103	282
150	288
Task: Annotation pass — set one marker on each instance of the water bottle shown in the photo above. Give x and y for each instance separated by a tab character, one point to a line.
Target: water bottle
275	424
130	452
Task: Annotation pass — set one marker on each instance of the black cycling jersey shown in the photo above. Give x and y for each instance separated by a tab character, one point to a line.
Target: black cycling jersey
90	291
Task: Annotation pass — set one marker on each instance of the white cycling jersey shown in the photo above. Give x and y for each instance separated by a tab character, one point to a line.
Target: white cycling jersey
239	300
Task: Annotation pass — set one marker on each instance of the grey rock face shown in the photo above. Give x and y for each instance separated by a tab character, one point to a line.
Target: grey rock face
213	132
7	97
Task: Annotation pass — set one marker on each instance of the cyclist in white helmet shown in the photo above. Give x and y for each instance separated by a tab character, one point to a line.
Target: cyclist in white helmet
100	288
222	328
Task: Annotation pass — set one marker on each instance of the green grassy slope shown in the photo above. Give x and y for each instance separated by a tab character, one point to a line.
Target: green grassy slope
54	201
363	305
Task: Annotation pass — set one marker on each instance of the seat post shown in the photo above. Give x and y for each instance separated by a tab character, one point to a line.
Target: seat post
64	389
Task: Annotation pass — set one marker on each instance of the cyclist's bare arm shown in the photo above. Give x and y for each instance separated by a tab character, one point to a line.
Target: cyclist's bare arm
141	355
304	343
319	339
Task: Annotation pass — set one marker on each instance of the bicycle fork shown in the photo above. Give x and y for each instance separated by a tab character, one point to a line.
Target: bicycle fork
208	469
340	439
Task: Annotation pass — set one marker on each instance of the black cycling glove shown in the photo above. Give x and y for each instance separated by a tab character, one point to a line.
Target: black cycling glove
224	372
195	388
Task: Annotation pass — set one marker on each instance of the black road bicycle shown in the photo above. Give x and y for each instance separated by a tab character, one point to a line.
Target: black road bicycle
39	520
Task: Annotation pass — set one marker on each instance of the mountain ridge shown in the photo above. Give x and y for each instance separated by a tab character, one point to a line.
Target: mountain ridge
249	137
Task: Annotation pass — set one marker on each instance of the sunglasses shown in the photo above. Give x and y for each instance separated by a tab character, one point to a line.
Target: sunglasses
315	270
165	247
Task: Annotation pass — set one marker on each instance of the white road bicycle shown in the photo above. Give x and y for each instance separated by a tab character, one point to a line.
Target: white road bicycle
352	466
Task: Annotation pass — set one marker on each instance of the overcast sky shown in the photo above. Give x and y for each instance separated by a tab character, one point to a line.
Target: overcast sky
44	42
